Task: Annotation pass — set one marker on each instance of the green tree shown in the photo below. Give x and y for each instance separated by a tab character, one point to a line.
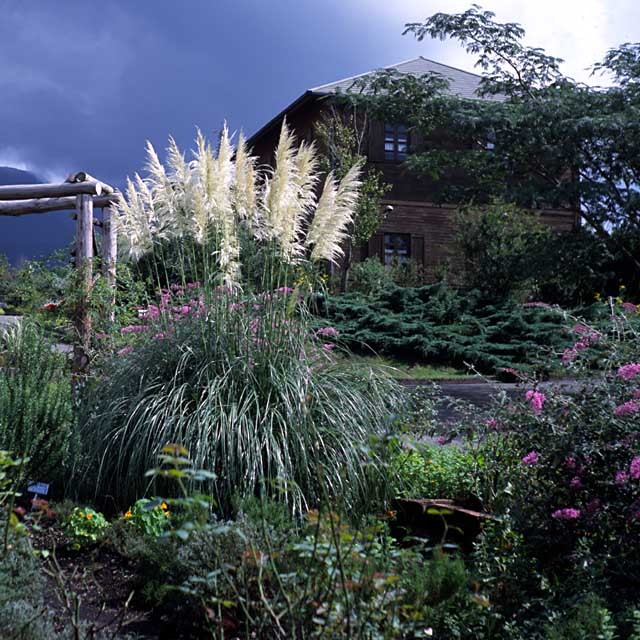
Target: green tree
341	134
555	142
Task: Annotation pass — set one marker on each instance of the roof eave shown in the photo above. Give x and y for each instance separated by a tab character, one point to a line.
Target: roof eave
307	97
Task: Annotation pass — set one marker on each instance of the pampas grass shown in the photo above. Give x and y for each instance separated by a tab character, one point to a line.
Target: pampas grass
211	198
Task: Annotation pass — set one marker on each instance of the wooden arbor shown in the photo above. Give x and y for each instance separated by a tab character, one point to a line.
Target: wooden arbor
84	194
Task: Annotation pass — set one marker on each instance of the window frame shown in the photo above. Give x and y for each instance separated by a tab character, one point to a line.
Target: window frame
393	256
395	136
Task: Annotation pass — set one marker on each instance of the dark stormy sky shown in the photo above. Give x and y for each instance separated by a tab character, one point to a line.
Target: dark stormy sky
83	83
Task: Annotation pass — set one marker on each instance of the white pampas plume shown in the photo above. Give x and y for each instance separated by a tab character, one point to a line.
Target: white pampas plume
289	194
333	215
244	191
133	219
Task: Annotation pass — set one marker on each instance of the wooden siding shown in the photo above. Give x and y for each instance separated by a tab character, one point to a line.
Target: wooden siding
433	235
432	227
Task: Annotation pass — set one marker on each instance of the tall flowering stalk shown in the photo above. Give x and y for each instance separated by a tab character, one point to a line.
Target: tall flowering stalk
220	194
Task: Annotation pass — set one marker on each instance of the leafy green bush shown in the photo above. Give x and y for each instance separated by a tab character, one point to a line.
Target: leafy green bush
149	517
23	614
563	470
439	325
36	405
85	526
432	471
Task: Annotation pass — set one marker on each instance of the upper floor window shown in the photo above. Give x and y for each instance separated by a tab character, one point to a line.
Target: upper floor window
397	248
396	142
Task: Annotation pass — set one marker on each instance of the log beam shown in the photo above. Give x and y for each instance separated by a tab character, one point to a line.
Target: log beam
27	191
84	260
83	176
110	254
44	205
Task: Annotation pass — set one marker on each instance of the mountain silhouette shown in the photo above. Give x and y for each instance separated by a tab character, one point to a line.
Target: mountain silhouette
36	235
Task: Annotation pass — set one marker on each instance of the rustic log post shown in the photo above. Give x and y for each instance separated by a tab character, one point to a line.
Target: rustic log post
84	260
110	254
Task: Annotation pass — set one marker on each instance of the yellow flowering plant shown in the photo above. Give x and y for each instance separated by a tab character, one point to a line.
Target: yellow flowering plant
149	517
85	526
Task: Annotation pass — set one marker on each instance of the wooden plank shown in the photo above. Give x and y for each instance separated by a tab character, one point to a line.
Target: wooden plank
27	191
45	205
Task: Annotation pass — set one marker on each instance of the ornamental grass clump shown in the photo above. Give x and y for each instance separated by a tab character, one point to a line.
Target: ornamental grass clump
224	361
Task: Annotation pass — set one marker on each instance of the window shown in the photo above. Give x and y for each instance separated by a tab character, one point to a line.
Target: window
397	248
396	142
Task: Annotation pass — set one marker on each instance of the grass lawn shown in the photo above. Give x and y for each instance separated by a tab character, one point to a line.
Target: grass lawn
404	370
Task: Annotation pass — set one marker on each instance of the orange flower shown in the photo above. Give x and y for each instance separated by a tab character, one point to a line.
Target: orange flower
163	506
89	516
128	515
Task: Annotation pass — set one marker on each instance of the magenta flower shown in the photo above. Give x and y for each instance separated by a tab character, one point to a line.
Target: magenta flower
629	307
622	477
634	468
575	483
492	423
566	514
531	458
160	336
629	371
570	462
568	355
133	328
328	332
125	351
328	346
627	408
536	400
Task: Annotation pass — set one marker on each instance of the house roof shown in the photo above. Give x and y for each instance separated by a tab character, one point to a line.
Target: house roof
461	83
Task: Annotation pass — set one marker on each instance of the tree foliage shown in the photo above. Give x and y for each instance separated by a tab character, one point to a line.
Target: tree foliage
556	142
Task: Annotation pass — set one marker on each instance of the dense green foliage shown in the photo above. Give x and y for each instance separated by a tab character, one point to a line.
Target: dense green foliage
36	404
440	325
554	142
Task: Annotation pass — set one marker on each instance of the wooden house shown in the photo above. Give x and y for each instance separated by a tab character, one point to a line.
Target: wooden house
415	228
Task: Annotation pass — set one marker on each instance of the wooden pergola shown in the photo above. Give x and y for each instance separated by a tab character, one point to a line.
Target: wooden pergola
85	194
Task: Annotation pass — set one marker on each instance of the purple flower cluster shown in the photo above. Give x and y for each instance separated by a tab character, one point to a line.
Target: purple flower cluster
566	514
627	408
629	371
531	458
536	400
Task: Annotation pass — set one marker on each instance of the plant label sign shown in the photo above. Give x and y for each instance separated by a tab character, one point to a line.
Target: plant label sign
39	488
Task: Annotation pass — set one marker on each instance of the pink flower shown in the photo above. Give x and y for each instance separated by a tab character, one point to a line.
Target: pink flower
328	332
160	336
627	408
101	336
133	328
492	423
441	440
541	305
629	307
125	351
284	290
580	328
566	514
570	462
536	400
593	505
575	483
622	477
531	458
634	468
629	371
193	285
568	355
328	346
